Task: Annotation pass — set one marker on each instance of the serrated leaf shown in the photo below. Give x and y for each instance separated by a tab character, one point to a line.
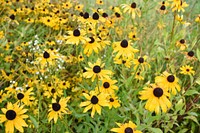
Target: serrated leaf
35	123
191	92
193	118
156	130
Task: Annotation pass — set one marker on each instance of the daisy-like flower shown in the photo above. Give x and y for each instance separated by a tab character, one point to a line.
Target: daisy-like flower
94	101
25	97
99	2
163	7
178	5
108	86
169	81
138	75
95	70
181	44
58	109
124	49
13	116
91	46
187	70
140	62
126	61
156	97
133	35
76	37
113	101
131	9
47	57
190	55
129	127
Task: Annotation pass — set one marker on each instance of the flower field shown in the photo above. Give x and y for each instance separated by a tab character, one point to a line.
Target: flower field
99	66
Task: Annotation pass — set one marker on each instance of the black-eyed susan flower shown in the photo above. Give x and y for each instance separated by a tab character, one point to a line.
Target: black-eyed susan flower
187	70
108	86
141	63
169	81
181	44
52	91
190	55
25	96
67	5
178	5
13	116
76	37
133	35
58	109
99	2
131	9
129	127
91	46
124	49
126	61
138	75
113	101
156	97
94	101
79	7
96	71
47	57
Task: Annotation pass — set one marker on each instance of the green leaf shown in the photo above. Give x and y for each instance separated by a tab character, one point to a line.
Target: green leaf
156	130
35	123
179	105
191	92
198	54
193	118
183	130
198	80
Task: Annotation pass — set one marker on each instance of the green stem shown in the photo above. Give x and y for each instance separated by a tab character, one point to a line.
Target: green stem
173	26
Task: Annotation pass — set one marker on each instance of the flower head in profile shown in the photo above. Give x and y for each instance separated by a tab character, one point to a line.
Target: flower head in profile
156	97
187	70
95	101
13	116
58	109
169	81
131	9
129	127
96	71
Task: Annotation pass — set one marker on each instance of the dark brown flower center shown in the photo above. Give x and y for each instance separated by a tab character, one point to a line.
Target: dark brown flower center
96	69
56	106
187	70
12	17
91	40
182	41
11	114
94	100
111	100
117	15
105	15
106	85
141	60
162	7
170	78
95	16
124	43
20	96
133	5
76	32
46	55
191	53
86	15
158	92
53	90
128	130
